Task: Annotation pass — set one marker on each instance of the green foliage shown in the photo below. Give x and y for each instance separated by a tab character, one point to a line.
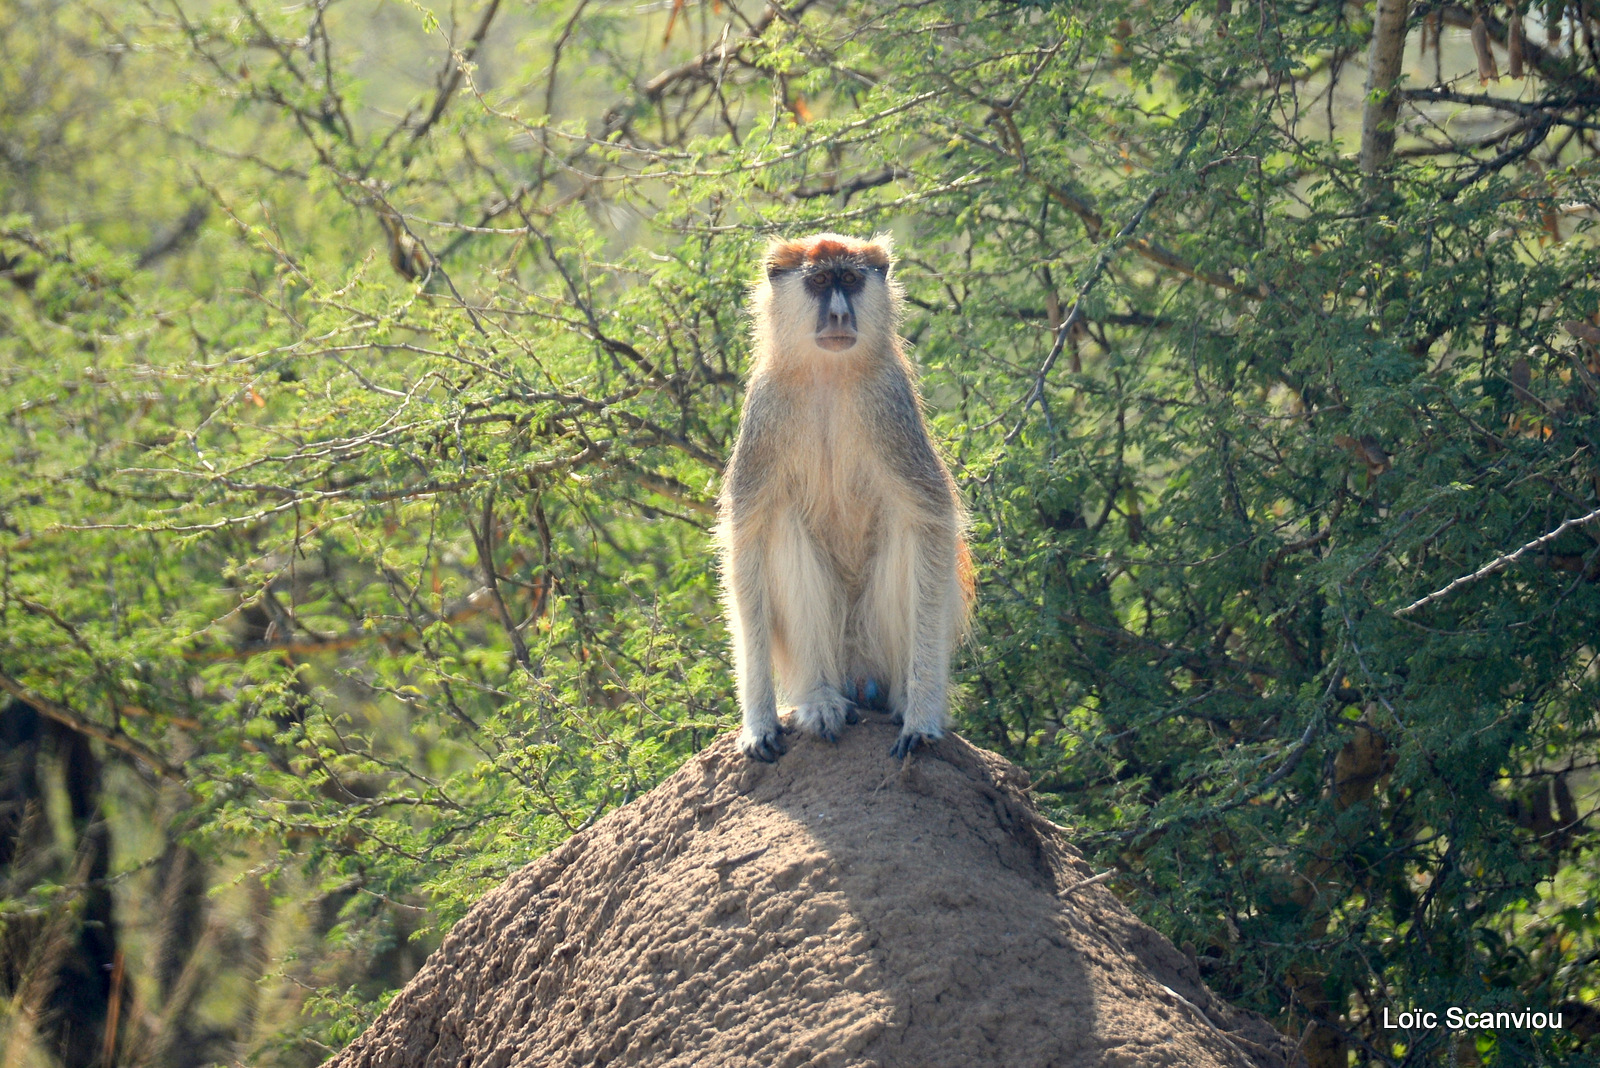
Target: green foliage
368	372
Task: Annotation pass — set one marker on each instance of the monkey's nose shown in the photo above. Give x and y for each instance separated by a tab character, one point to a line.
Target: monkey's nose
839	314
837	329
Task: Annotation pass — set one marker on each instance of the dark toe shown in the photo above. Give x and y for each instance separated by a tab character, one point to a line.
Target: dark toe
852	715
904	746
768	749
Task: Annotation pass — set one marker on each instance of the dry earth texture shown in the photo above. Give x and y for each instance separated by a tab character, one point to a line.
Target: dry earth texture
837	909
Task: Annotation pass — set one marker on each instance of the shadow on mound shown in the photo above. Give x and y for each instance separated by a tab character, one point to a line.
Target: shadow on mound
837	909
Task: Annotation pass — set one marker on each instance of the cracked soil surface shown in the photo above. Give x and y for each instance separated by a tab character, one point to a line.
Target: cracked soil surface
838	909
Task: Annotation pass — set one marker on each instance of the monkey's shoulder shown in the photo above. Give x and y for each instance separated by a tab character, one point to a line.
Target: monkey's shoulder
895	411
765	422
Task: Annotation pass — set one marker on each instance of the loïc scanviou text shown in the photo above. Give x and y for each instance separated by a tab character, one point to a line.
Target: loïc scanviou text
1456	1018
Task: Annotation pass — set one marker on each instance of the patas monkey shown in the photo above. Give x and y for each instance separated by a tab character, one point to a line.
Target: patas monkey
840	531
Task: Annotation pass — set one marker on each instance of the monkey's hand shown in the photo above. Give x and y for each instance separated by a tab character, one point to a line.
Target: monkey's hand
909	740
763	745
824	714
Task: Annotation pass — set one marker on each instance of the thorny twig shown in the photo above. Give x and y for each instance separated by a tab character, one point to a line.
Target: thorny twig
1498	563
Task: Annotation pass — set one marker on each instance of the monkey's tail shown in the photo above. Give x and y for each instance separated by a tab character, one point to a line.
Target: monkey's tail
965	575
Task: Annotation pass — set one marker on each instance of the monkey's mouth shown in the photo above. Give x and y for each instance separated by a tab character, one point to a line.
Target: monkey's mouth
836	342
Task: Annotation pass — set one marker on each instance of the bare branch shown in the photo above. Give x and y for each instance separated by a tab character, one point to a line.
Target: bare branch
1383	72
1498	563
707	64
1076	315
483	538
450	76
74	722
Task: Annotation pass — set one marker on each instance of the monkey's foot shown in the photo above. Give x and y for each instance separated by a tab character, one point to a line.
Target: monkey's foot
763	745
825	715
909	739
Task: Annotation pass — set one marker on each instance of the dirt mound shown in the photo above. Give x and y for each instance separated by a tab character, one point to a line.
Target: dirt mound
836	909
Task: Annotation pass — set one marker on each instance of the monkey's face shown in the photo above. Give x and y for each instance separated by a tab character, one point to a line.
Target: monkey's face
835	291
829	293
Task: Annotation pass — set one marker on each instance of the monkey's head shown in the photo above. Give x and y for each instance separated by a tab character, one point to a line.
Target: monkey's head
829	293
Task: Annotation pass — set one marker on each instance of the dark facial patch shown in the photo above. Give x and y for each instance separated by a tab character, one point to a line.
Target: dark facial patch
834	286
842	276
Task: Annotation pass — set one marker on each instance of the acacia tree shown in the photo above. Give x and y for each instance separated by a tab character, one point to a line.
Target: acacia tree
363	443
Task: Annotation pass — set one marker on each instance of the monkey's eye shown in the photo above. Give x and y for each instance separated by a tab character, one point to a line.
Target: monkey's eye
850	279
818	281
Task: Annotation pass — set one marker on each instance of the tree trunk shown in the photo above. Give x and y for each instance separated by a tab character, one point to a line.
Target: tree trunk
1383	72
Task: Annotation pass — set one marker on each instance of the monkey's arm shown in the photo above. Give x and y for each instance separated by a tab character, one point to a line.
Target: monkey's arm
745	578
936	604
749	616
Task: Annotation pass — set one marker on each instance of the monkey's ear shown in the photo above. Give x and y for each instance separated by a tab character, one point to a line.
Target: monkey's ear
880	250
784	256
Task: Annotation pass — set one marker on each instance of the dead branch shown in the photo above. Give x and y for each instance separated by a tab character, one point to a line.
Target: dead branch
74	722
1498	563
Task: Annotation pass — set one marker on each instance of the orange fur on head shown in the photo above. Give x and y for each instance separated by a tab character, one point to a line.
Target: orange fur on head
826	248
